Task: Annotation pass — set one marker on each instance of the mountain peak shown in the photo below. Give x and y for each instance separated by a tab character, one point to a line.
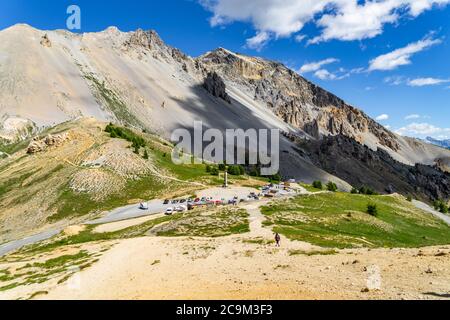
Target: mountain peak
147	39
20	27
112	29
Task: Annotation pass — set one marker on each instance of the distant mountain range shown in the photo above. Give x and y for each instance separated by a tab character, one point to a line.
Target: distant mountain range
440	143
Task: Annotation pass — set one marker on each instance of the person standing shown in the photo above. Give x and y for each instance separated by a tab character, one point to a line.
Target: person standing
278	239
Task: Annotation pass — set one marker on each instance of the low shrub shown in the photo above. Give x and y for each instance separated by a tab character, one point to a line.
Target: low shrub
317	185
372	209
331	186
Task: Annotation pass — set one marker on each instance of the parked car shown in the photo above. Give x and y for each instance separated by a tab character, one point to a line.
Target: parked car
182	200
169	211
203	199
143	206
197	200
166	201
174	201
181	208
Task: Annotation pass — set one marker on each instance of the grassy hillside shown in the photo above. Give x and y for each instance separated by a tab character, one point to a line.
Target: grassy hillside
341	220
92	172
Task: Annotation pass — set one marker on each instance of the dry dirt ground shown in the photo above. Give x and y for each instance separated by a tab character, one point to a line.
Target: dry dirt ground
249	266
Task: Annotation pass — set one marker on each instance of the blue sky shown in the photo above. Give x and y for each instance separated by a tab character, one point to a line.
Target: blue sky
387	57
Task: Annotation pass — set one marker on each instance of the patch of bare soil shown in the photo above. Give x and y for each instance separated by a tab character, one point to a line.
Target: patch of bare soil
116	156
97	182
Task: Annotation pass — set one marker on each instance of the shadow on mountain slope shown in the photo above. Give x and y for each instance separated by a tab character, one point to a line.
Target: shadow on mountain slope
361	166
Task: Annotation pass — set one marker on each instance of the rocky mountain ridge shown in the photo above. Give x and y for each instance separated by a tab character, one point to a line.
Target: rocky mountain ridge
296	100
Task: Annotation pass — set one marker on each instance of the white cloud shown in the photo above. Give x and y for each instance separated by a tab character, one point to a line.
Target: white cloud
315	66
354	21
422	130
419	6
337	19
382	117
402	56
421	82
258	41
412	117
300	37
417	82
280	18
395	80
324	74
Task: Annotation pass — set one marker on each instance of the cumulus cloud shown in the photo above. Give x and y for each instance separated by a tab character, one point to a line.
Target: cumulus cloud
382	117
315	66
422	130
402	56
421	82
354	21
345	20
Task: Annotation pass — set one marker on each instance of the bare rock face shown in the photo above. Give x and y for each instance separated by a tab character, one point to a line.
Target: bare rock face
40	145
443	164
147	39
13	129
45	41
35	146
215	86
149	42
294	99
